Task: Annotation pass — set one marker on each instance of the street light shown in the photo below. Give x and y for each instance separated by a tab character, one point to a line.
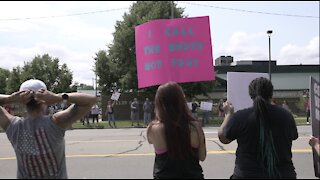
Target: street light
269	32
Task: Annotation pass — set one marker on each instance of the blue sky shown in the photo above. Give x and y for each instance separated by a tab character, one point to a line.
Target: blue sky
76	39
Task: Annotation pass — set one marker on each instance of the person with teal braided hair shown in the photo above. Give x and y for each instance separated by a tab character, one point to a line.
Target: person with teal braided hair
264	133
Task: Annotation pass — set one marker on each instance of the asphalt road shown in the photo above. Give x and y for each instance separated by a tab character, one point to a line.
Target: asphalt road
125	153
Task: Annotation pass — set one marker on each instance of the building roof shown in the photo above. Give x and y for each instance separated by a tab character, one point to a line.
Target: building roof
283	77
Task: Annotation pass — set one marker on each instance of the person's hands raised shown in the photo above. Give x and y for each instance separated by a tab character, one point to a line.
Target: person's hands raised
228	108
21	96
46	96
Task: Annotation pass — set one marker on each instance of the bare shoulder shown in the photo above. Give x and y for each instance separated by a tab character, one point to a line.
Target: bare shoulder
154	130
156	126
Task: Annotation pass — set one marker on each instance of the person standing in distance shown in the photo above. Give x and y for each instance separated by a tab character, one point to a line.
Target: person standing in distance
110	114
38	139
147	109
135	111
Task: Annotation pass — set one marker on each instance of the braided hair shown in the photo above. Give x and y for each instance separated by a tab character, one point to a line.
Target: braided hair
261	90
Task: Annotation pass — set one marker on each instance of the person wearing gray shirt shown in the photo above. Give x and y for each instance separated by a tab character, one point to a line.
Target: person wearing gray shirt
135	111
147	109
38	139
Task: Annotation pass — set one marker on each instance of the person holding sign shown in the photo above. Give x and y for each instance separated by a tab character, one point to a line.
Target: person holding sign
110	114
264	133
177	137
194	108
315	144
206	107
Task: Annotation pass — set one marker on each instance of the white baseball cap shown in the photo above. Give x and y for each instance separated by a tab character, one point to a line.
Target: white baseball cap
33	84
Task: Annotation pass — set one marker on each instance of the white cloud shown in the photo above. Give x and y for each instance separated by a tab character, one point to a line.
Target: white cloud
293	54
242	46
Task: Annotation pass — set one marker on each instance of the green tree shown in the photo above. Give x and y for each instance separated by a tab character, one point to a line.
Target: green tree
14	80
106	70
4	74
301	104
57	78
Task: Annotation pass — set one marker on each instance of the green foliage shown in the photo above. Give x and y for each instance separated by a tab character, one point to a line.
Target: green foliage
4	74
301	104
14	80
106	70
57	78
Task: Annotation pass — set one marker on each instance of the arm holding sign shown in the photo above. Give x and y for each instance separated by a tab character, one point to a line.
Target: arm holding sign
314	143
229	111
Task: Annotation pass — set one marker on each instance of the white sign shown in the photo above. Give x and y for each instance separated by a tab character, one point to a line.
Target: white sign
206	106
115	96
238	88
189	105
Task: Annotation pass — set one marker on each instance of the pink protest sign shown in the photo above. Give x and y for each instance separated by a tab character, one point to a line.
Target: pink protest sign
174	50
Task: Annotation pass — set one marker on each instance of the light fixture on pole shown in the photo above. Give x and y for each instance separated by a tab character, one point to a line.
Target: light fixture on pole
269	32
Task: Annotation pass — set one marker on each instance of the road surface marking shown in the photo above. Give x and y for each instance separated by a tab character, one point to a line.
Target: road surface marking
152	154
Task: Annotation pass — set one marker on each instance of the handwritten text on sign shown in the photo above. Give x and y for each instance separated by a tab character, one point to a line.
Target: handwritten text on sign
174	50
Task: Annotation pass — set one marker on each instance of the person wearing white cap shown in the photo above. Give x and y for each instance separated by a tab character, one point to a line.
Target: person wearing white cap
38	139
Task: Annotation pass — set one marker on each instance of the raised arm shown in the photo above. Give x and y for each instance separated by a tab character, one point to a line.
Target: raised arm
229	110
17	97
81	105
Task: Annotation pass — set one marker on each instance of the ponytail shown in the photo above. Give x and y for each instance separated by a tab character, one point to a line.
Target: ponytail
260	91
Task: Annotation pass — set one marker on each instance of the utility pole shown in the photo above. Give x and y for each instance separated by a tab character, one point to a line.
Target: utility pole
269	32
96	86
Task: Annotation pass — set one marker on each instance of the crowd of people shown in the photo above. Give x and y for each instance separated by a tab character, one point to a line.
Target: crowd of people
175	132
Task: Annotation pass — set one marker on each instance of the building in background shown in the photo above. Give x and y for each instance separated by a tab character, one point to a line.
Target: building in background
290	81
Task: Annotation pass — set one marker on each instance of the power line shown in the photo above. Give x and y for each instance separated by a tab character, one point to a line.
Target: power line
196	4
57	16
248	11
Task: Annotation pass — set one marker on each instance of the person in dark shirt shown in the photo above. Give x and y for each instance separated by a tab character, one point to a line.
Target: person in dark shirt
177	137
264	134
194	106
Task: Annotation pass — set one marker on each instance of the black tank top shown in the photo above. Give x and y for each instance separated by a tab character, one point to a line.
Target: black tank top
165	168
